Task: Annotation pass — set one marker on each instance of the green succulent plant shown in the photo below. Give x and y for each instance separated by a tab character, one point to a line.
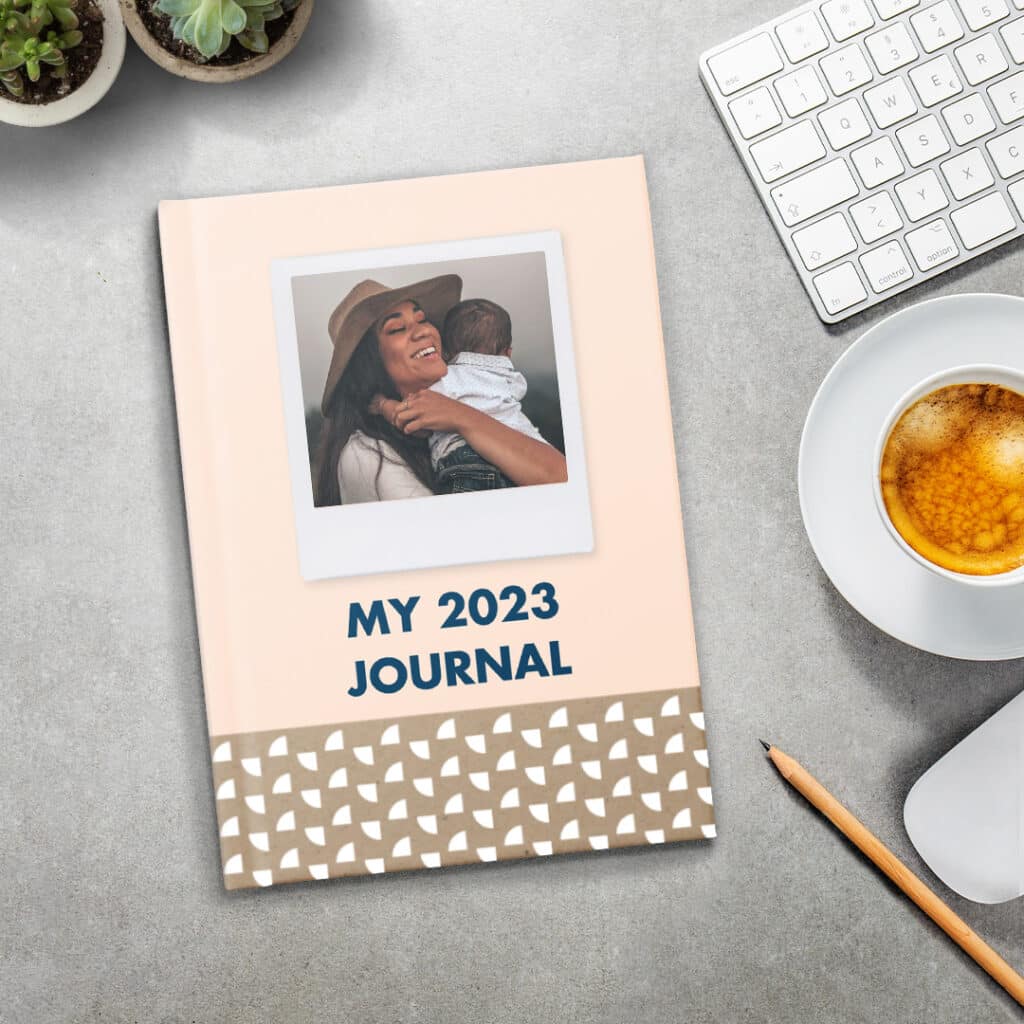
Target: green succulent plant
210	25
24	46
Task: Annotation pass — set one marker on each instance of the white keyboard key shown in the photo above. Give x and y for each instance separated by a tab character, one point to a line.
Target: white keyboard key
886	266
1013	36
745	64
846	18
932	245
801	36
935	81
921	195
923	140
981	59
983	220
968	119
890	102
787	151
876	217
937	26
890	8
891	49
1007	151
1016	191
825	241
980	14
801	91
846	69
1008	97
876	162
967	174
844	124
840	288
755	113
814	192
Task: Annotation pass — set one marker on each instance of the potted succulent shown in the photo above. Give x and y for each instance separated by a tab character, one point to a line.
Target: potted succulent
216	40
57	57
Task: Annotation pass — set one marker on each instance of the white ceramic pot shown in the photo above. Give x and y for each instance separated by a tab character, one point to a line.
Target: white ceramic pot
89	93
216	73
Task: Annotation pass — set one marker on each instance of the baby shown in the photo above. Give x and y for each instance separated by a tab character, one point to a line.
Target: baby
477	339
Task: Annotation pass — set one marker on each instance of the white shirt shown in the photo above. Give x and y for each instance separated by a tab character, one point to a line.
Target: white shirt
358	478
489	384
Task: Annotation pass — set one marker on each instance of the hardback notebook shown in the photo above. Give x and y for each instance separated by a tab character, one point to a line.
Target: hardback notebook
434	522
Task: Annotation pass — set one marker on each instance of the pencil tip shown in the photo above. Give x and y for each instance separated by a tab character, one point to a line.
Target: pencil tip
767	746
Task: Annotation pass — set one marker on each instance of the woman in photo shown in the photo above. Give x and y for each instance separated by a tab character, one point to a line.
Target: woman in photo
387	343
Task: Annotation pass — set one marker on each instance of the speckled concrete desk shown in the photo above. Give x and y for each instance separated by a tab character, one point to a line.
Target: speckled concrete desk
110	893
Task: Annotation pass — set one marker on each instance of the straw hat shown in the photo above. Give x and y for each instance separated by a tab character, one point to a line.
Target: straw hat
368	302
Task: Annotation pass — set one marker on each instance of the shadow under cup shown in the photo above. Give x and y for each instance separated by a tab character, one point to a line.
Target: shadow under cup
1002	376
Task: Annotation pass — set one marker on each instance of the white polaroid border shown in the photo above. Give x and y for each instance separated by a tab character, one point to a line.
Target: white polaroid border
442	530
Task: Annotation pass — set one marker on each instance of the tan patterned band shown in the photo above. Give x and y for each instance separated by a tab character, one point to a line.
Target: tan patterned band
433	790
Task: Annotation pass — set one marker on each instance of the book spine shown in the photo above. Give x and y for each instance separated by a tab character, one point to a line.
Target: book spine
183	257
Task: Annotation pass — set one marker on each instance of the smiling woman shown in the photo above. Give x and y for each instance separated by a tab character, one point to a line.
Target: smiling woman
388	351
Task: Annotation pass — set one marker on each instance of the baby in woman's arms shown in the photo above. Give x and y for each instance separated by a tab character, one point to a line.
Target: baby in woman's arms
477	338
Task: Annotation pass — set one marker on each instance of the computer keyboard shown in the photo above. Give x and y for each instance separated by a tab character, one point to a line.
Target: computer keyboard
884	137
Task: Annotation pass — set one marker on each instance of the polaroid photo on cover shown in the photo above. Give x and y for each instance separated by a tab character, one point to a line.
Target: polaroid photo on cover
354	327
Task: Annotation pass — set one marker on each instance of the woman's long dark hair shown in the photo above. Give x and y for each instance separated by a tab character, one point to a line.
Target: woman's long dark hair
363	378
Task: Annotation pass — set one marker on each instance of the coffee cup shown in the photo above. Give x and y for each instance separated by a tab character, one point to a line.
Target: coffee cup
982	374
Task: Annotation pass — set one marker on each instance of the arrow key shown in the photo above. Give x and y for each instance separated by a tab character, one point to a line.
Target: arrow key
876	217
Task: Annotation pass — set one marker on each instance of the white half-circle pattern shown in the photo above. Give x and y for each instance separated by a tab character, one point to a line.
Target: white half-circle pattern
647	749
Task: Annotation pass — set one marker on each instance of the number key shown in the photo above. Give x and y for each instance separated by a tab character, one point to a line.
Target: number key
800	91
937	26
846	69
980	14
891	49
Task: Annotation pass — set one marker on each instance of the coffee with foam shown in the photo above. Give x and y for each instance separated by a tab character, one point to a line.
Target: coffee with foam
952	476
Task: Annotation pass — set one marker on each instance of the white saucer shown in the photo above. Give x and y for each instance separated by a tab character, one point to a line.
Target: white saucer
836	471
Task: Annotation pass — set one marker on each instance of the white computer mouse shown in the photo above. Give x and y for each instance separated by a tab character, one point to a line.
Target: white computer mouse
965	815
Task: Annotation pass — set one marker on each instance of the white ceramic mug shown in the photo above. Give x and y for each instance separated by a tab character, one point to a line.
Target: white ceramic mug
979	373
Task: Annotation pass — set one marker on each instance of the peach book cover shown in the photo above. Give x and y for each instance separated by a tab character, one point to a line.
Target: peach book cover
434	522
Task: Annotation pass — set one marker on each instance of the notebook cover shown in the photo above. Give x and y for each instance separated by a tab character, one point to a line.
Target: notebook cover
565	714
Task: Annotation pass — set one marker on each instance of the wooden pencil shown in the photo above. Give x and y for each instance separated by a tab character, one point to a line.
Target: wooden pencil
897	872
